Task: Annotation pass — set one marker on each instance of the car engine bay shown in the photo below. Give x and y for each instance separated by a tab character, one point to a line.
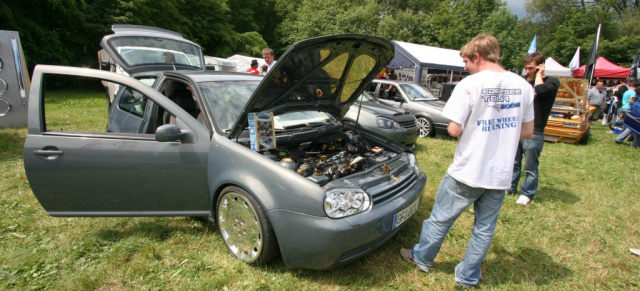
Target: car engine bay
331	156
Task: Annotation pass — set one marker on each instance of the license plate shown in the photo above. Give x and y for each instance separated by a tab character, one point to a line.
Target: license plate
404	214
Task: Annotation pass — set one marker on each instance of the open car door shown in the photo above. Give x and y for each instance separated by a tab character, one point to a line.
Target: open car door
77	168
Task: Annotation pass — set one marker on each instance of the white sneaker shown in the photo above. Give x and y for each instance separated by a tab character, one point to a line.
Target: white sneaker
635	251
523	200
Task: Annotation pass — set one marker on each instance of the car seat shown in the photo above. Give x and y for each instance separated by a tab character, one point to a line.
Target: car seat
184	98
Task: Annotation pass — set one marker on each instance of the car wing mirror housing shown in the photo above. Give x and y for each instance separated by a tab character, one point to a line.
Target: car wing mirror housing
170	132
399	99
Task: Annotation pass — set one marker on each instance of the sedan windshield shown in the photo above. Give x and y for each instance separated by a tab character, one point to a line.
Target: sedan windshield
226	99
416	92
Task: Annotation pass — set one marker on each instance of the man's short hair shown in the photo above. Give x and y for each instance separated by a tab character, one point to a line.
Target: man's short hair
536	57
268	51
484	45
600	81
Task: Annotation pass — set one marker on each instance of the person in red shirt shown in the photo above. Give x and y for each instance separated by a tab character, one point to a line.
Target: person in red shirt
254	68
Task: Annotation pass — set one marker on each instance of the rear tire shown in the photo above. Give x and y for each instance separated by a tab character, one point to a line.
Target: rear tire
245	228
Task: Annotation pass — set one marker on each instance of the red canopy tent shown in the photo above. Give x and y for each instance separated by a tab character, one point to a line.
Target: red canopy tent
605	69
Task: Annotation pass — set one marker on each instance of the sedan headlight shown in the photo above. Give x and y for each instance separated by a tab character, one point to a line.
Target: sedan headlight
413	162
572	125
345	202
387	123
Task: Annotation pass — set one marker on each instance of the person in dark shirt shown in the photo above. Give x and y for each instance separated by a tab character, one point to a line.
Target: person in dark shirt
545	89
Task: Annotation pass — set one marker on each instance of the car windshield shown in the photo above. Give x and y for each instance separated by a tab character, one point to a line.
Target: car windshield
416	92
226	99
365	97
140	51
300	119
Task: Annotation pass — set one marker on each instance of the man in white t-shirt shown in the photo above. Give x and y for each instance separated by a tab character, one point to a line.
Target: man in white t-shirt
489	111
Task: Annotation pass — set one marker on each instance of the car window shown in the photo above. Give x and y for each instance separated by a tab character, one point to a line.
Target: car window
78	104
226	99
416	92
140	51
366	97
132	102
371	88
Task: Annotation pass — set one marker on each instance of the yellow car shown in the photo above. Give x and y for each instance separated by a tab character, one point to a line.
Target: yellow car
568	119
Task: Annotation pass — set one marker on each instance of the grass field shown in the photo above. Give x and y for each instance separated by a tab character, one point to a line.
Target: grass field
576	235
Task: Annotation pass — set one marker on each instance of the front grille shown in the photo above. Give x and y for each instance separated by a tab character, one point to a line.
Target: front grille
408	124
386	190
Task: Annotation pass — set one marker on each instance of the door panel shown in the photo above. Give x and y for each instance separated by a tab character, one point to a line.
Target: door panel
76	168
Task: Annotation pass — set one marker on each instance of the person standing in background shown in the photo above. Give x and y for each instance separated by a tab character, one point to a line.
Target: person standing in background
596	97
254	68
546	89
269	58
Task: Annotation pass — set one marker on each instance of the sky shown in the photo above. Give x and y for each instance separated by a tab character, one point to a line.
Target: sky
517	7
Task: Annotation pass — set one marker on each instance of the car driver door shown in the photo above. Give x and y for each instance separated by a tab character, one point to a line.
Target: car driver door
76	168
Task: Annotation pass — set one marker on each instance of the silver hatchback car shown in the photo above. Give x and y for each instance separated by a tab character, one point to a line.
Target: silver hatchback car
265	158
416	99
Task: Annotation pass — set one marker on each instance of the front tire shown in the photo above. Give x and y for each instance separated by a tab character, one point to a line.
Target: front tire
425	125
585	137
245	228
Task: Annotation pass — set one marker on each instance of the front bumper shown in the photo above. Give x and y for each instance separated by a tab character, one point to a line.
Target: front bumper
312	242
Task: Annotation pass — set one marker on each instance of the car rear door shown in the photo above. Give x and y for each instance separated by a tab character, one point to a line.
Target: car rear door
78	169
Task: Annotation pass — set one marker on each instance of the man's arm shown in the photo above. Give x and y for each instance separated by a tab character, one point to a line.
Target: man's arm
527	130
455	129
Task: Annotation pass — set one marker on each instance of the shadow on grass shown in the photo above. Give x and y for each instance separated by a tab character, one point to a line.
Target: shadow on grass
158	230
526	265
547	194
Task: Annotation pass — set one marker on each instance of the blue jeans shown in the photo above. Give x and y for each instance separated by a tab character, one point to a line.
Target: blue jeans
626	133
531	149
452	199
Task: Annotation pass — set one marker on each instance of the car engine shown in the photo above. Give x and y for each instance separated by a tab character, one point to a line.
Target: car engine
330	157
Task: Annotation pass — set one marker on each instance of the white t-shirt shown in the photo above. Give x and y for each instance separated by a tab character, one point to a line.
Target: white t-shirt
491	107
271	66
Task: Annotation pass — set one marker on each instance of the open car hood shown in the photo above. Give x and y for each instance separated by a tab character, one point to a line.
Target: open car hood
326	74
138	49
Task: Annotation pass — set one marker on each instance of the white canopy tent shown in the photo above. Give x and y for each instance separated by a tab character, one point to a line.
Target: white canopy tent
243	63
553	68
424	60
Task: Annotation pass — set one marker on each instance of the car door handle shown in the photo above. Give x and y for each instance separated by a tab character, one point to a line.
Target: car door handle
47	153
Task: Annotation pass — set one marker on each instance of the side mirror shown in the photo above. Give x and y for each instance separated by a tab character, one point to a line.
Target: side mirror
170	132
398	98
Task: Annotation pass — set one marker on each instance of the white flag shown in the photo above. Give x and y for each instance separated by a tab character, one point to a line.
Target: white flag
575	61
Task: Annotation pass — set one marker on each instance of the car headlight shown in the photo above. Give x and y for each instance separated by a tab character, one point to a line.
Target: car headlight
572	125
345	202
413	162
387	123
